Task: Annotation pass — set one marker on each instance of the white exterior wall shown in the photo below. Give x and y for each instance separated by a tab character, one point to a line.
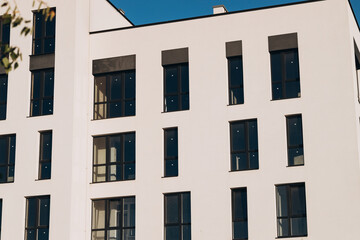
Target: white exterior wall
328	105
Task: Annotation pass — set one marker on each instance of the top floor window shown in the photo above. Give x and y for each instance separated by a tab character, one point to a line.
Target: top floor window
44	33
285	76
235	72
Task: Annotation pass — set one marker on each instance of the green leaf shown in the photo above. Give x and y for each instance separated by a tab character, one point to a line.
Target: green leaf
5	62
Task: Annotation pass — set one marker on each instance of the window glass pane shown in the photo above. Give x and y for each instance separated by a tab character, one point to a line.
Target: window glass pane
12	148
298	226
292	89
3	150
115	148
115	87
99	150
277	91
171	79
240	230
47	146
130	108
3	89
115	213
253	135
115	172
239	161
295	130
130	84
186	232
129	142
238	136
171	143
298	200
185	78
36	84
31	212
186	208
3	174
184	101
38	25
276	67
45	169
128	234
31	234
171	103
44	211
239	204
172	209
254	160
37	46
98	235
171	168
2	111
50	27
292	65
236	96
99	174
100	89
35	108
236	72
98	214
172	232
113	235
129	171
100	111
283	227
49	45
49	84
115	110
6	34
47	107
281	201
296	156
129	212
11	174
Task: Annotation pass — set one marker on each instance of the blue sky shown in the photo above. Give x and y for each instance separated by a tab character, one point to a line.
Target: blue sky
150	11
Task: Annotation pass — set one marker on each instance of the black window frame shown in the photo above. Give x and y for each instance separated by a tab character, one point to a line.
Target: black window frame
242	190
171	158
180	223
42	98
41	160
4	102
107	216
247	150
180	94
108	164
284	79
241	86
289	209
43	37
37	226
9	165
289	145
123	99
357	69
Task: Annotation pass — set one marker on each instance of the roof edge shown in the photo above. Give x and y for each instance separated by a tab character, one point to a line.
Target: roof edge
119	12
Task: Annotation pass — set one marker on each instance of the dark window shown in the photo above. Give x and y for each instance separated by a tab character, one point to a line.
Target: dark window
45	155
244	145
357	68
4	32
285	74
114	95
7	158
291	210
37	218
171	152
113	219
3	96
236	84
0	216
114	157
176	87
295	140
239	214
42	92
177	216
44	33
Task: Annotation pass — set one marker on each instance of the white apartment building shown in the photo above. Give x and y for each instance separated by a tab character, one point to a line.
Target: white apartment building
238	125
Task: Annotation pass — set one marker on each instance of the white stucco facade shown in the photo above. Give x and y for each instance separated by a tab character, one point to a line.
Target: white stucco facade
329	106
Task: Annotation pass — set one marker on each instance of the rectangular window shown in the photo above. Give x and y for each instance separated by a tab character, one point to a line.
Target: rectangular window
7	158
45	155
244	145
239	213
285	75
37	218
0	216
114	95
176	87
3	95
295	140
171	152
44	33
291	210
114	157
42	92
113	219
236	84
177	216
357	68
